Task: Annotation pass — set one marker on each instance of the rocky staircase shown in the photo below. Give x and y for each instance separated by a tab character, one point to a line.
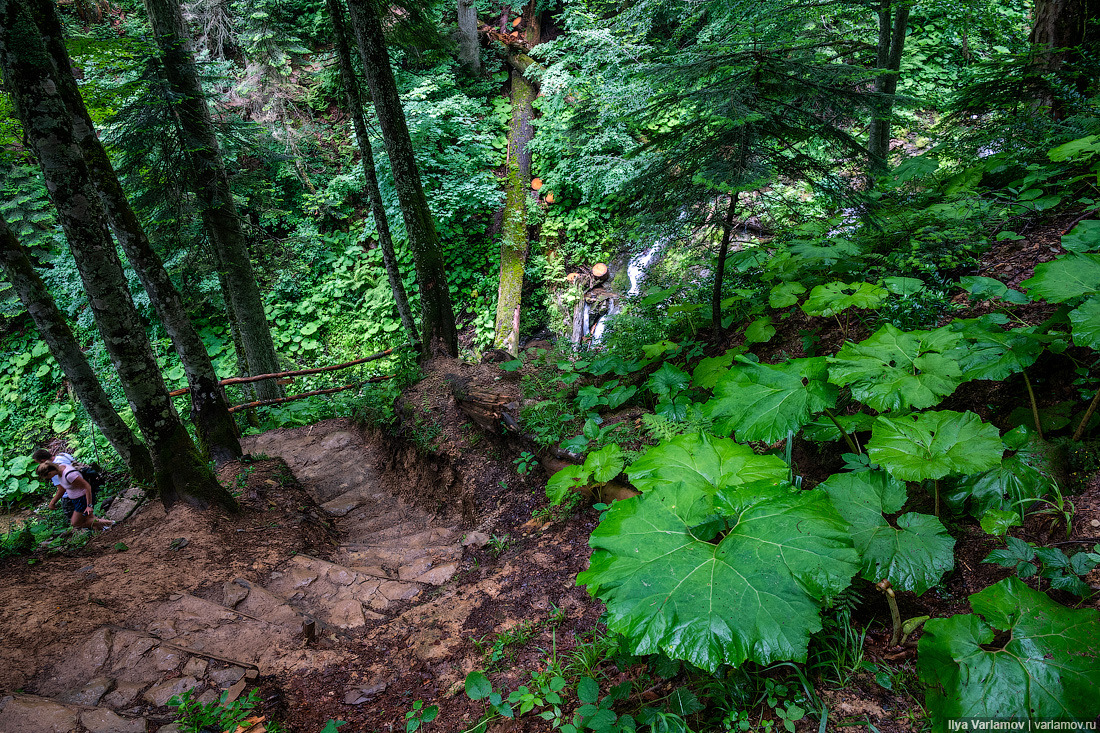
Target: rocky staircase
391	553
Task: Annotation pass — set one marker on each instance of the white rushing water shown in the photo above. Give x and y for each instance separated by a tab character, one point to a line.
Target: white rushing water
639	264
601	325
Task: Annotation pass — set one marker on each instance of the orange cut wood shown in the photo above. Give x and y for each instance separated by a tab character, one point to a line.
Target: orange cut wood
550	197
517	21
536	183
599	269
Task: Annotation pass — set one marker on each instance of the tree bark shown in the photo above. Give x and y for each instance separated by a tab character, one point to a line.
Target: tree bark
180	471
469	51
720	267
211	186
437	321
209	411
1064	32
513	243
59	338
378	211
891	43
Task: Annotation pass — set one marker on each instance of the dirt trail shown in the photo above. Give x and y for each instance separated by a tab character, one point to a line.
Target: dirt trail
335	574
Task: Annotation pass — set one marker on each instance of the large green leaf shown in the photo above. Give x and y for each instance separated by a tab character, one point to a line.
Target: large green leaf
1086	324
1085	237
784	295
669	380
1045	664
1065	278
991	352
932	445
894	370
835	297
753	595
913	556
823	429
1007	487
690	469
606	463
768	401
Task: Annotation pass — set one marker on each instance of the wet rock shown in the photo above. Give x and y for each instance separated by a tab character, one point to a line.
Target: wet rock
234	591
347	614
38	715
123	695
227	676
159	695
91	693
438	575
166	658
105	721
475	539
195	667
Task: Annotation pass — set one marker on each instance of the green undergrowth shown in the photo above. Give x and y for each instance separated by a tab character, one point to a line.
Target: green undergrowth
731	563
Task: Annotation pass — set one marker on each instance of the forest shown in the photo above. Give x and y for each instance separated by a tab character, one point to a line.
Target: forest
528	365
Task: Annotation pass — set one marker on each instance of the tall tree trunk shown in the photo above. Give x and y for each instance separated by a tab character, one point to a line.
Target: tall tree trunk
1065	32
59	338
211	187
513	242
891	43
720	267
180	471
209	410
378	211
437	316
469	51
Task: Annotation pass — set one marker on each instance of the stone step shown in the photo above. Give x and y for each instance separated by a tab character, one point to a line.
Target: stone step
255	600
430	565
335	594
204	627
33	714
366	521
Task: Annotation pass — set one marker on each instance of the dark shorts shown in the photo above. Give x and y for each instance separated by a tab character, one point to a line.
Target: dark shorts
78	504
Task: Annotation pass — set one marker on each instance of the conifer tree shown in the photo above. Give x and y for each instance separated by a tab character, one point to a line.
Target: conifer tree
210	412
438	331
180	472
211	186
378	210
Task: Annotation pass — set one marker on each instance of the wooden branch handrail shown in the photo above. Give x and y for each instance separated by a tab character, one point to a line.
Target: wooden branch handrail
298	373
263	403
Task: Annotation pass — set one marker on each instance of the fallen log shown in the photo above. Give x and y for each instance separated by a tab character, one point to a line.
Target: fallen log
314	393
297	373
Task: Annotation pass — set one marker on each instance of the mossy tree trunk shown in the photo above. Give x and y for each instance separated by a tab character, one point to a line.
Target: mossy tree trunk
514	243
437	322
210	183
378	210
893	20
59	338
209	410
180	472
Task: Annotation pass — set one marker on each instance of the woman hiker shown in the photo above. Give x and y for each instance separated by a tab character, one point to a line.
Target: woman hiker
77	496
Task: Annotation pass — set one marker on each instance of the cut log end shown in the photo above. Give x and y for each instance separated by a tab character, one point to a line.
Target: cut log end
599	270
536	184
517	21
550	197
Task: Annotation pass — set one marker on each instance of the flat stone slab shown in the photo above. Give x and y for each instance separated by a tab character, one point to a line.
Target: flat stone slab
26	713
159	695
123	695
91	693
105	721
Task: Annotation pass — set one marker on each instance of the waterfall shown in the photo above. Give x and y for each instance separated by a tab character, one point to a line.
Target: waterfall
639	264
601	325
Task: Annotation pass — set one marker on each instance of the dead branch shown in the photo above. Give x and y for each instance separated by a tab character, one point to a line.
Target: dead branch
300	372
314	393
